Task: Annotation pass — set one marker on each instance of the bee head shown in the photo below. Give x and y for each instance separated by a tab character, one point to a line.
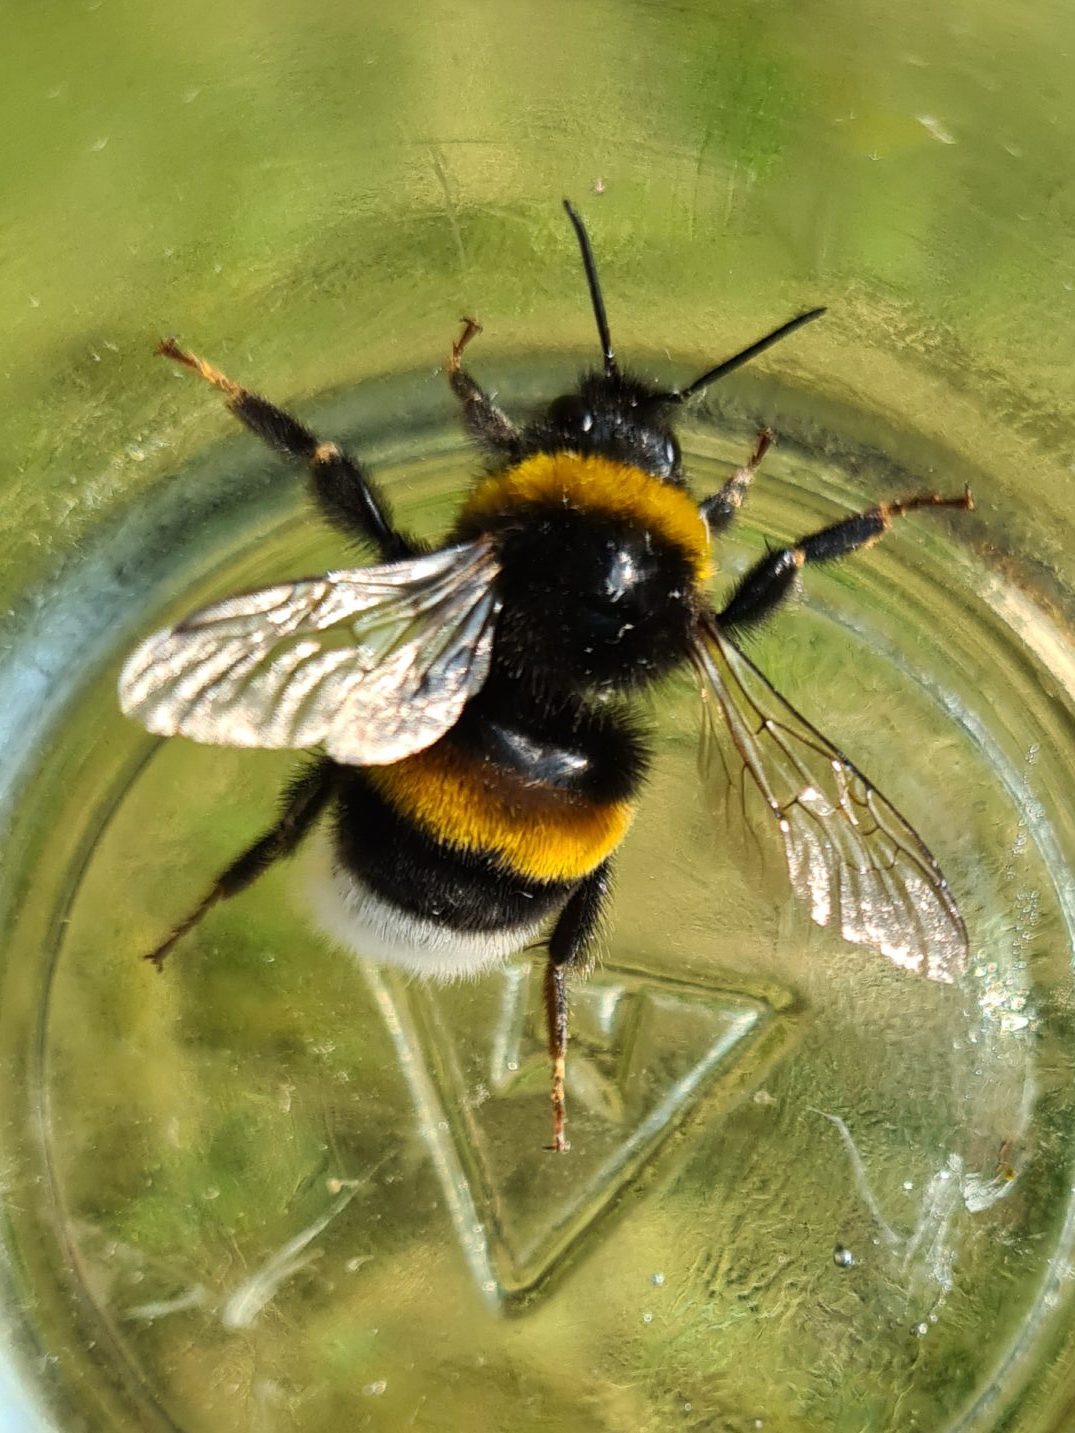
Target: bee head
612	415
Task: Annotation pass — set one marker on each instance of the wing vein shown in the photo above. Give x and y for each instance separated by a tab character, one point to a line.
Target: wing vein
374	664
850	854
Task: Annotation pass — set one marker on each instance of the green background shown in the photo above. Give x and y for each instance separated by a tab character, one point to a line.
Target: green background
316	192
312	195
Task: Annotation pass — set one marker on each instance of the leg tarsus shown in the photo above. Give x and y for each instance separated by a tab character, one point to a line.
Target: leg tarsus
569	947
471	329
303	801
900	507
719	509
169	348
556	1022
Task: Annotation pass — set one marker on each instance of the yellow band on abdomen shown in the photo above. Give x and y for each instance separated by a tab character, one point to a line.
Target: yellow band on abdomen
538	832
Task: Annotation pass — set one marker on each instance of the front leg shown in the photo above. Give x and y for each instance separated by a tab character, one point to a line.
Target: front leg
486	423
569	946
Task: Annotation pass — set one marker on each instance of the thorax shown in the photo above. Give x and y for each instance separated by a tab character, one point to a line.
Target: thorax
604	568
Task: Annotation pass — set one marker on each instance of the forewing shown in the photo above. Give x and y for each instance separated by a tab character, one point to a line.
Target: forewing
372	664
851	856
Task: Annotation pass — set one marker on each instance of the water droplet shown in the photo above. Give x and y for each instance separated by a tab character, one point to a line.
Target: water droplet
920	1329
842	1256
656	1280
647	1317
374	1390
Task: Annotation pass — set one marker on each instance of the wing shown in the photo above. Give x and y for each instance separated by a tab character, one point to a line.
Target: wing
373	664
851	856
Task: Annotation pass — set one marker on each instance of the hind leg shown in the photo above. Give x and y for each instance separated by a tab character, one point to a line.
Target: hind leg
345	492
303	801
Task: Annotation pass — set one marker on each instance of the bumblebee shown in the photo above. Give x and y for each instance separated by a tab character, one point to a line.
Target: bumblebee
477	758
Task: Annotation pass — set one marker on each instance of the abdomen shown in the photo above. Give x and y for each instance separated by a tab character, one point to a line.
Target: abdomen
447	862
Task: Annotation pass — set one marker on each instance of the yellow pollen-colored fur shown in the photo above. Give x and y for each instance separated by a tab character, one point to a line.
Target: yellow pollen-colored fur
608	487
538	832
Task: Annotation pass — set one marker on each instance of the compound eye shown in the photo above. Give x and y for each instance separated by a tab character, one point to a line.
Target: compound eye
571	412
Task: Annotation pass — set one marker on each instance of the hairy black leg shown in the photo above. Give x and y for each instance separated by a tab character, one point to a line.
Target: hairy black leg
487	424
344	491
721	508
303	801
569	946
769	581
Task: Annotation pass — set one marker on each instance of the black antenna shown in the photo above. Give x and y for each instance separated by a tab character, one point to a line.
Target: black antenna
742	357
598	303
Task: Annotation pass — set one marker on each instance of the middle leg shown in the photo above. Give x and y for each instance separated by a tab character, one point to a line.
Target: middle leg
769	581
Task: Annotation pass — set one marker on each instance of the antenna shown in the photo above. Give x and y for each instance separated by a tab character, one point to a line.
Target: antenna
596	301
744	356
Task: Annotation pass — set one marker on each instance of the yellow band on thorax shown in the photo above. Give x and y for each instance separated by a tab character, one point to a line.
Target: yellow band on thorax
616	489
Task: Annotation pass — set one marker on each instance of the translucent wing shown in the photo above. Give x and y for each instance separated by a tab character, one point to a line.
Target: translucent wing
851	856
373	664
